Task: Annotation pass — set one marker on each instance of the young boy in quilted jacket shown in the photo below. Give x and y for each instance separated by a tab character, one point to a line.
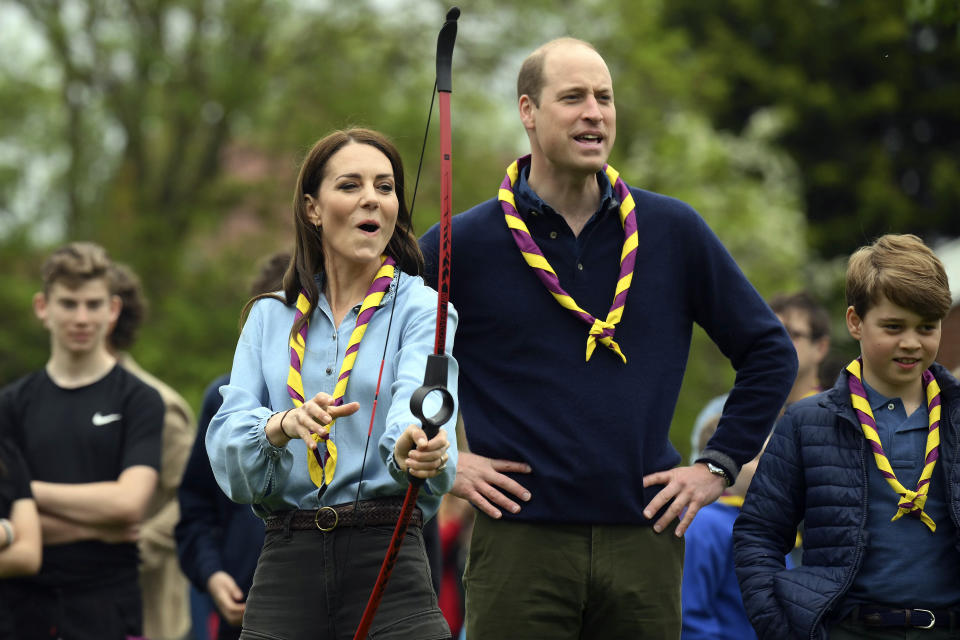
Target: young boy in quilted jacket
871	467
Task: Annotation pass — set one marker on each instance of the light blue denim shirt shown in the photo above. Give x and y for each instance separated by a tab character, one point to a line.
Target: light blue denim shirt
251	470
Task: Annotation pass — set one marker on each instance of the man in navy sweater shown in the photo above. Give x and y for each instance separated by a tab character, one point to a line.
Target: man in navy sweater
569	257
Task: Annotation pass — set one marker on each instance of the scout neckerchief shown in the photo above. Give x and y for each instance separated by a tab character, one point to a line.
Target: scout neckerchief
911	502
731	500
601	330
322	465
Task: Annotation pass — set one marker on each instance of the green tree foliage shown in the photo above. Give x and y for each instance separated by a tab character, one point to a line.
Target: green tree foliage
871	96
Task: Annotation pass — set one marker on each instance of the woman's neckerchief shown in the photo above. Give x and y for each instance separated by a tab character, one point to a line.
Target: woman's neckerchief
911	502
322	465
600	330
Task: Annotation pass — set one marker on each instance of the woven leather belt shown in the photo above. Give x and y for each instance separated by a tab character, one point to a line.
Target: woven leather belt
376	512
873	616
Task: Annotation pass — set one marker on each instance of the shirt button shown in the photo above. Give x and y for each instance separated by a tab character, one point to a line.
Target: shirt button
580	266
891	406
333	337
329	370
553	235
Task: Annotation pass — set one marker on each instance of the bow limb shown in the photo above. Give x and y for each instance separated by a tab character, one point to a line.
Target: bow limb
435	377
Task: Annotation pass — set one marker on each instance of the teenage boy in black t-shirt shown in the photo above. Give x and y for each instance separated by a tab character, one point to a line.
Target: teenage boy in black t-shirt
90	434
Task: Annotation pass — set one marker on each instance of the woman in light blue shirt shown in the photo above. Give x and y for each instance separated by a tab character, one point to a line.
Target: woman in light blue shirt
296	435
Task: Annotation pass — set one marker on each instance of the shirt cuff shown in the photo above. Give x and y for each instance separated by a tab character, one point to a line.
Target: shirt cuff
271	450
721	460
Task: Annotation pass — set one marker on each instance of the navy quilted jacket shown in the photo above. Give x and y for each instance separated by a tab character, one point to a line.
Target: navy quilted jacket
814	469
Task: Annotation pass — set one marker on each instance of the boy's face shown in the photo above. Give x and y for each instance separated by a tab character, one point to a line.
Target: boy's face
897	346
78	319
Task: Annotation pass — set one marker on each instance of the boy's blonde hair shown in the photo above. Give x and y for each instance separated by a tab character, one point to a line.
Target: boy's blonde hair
75	264
904	270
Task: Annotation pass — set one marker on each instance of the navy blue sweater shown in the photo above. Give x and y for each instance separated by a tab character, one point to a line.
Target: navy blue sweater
592	430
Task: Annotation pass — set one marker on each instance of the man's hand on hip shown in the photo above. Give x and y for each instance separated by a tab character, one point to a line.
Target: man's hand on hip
690	488
481	481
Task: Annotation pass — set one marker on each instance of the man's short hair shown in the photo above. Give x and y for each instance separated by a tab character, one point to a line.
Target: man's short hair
125	284
530	79
817	316
74	264
904	270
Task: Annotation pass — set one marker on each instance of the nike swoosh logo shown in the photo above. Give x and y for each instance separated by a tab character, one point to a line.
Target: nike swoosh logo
99	419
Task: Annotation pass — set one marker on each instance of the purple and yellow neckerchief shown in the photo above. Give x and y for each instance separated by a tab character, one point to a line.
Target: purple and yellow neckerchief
600	330
911	502
322	465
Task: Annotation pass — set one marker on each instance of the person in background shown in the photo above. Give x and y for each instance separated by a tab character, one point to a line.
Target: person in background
288	438
166	611
20	544
218	540
577	297
712	604
808	325
871	467
90	433
455	520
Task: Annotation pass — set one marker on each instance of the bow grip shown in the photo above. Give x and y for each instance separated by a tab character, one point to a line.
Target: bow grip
434	379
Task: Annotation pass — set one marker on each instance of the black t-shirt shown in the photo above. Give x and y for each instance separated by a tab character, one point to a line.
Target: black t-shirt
14	479
87	434
14	485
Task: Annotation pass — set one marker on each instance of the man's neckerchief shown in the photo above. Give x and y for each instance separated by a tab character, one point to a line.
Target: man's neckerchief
911	502
600	330
323	464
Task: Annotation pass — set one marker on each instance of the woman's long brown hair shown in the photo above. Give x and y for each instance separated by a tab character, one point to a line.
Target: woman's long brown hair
307	259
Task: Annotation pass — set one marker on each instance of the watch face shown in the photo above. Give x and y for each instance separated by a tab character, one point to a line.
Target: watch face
718	470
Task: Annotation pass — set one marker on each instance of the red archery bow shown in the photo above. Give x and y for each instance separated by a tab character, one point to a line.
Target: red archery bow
435	377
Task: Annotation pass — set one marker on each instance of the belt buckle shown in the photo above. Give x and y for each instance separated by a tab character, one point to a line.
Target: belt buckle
933	620
336	519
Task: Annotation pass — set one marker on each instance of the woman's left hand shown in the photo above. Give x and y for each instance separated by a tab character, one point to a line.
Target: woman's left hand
421	457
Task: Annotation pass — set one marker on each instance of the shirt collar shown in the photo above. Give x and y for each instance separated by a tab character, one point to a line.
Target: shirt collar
388	295
876	399
529	203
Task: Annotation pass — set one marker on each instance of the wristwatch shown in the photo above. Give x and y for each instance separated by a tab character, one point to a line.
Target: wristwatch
717	470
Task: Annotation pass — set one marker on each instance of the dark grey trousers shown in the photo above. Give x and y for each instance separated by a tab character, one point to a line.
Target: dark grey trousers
312	585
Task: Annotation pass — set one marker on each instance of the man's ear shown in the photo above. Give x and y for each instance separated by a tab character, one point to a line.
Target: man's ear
40	306
854	323
528	111
116	304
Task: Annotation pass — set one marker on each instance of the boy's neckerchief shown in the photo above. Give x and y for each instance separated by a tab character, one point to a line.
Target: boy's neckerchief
601	330
911	502
323	465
